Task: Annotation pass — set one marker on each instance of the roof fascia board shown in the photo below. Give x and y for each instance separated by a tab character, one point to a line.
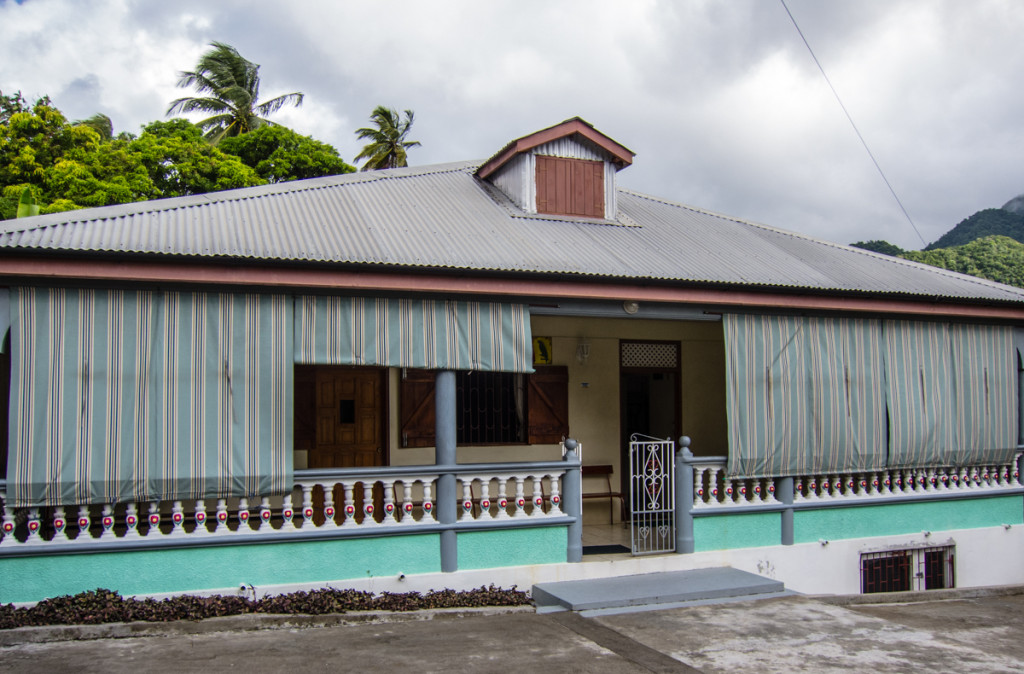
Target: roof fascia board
622	155
131	271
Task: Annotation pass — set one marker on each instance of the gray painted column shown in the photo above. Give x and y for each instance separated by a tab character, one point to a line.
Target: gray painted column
684	497
572	500
444	458
786	496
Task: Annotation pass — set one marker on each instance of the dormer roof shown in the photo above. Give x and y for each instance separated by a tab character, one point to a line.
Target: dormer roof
619	155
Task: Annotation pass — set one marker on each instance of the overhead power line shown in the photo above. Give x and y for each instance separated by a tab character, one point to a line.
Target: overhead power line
855	129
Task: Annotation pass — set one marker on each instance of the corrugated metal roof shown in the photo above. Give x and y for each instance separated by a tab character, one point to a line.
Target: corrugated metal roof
443	217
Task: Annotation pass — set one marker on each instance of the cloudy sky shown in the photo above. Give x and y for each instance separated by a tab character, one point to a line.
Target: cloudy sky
721	101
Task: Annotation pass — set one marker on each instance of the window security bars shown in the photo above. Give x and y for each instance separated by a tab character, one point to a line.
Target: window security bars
490	408
908	570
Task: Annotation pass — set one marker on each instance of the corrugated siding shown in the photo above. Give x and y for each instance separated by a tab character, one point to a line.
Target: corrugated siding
516	180
441	217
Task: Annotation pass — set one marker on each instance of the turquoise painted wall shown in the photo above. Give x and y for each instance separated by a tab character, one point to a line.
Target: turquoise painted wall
512	547
745	530
25	579
906	518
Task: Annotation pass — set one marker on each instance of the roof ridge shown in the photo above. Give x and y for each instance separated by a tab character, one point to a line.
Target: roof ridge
832	244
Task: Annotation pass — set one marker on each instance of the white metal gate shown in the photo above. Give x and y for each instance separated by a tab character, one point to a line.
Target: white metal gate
652	495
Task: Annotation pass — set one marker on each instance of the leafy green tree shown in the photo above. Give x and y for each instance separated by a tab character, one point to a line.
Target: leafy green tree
387	146
997	258
879	246
232	87
278	154
66	166
180	162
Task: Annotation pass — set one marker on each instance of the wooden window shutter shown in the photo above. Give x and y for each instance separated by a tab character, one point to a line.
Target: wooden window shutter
547	400
417	408
570	186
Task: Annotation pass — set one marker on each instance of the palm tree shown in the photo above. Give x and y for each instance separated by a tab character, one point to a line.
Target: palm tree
387	145
233	85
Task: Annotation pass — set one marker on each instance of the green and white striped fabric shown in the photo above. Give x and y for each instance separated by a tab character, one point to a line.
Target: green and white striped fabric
413	333
826	395
135	396
952	394
805	395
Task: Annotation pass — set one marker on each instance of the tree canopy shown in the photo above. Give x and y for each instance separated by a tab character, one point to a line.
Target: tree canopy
278	154
997	258
387	146
231	85
68	166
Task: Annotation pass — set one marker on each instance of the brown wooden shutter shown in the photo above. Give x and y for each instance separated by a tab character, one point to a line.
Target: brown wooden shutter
570	186
547	399
416	404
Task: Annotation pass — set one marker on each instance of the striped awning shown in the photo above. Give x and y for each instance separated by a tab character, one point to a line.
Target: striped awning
811	395
135	396
952	392
804	395
424	334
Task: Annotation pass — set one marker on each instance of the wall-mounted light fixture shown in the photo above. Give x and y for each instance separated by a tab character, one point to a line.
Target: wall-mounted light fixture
582	352
630	307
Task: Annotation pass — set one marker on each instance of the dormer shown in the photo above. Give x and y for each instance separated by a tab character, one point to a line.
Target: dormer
567	170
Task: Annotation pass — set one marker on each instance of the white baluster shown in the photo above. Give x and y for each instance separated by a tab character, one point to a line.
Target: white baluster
7	525
287	513
368	504
84	522
60	523
520	498
717	497
556	496
798	490
243	516
199	518
700	492
389	504
131	521
222	518
107	521
1004	476
428	502
485	499
34	526
407	505
466	504
307	506
538	498
265	515
769	491
502	498
177	520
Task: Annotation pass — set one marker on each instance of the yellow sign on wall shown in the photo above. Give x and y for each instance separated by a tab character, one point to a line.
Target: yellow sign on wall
542	351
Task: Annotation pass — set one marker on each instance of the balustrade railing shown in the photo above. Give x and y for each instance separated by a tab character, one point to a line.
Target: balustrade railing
322	502
713	488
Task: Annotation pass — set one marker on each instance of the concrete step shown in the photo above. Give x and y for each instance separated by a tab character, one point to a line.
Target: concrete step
669	587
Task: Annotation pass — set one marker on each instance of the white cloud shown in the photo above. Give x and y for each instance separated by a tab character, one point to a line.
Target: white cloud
721	101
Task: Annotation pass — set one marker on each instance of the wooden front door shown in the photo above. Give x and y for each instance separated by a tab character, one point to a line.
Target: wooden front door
349	418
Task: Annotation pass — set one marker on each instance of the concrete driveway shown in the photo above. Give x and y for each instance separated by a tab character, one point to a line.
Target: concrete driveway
789	634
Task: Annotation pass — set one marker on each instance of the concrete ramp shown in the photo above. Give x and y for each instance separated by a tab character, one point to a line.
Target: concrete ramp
670	587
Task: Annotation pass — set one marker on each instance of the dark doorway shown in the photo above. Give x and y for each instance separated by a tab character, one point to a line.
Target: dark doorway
648	395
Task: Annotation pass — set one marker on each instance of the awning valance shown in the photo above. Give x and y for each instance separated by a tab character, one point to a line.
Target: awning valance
428	334
134	396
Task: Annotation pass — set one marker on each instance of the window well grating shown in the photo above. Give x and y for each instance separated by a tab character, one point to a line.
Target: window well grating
908	570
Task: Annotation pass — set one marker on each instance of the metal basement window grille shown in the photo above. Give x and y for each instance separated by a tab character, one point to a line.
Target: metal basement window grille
908	570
